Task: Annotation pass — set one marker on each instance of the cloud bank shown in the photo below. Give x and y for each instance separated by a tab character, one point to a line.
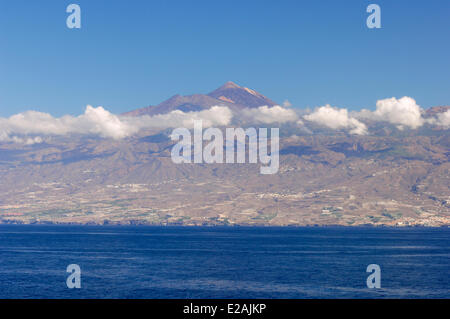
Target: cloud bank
97	121
31	127
336	119
443	119
268	115
215	116
401	112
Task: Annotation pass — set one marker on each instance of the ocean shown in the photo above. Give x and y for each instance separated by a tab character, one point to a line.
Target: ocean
223	262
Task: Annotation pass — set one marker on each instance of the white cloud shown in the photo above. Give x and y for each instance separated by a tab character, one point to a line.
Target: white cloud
268	115
30	126
33	127
336	118
401	112
443	119
215	116
97	121
20	140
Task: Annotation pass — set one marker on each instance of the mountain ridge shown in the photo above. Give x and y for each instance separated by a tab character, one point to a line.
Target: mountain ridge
230	94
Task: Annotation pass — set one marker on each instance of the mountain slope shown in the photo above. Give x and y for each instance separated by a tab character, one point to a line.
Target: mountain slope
230	94
326	180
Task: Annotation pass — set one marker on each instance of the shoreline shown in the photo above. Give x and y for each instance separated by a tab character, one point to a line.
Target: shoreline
175	225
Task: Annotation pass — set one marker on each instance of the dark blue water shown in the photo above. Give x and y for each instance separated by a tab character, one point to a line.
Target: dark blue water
176	262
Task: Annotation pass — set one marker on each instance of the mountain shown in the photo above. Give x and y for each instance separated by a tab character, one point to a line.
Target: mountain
188	103
230	94
233	93
322	179
436	110
326	177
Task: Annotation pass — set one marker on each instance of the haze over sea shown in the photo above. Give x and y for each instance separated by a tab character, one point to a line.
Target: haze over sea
223	262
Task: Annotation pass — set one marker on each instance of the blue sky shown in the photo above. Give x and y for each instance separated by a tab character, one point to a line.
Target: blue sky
130	54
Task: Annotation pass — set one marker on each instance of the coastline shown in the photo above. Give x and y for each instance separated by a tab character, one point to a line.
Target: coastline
173	225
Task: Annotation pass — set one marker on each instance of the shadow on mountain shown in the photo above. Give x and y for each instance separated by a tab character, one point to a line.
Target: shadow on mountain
157	138
299	150
73	157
